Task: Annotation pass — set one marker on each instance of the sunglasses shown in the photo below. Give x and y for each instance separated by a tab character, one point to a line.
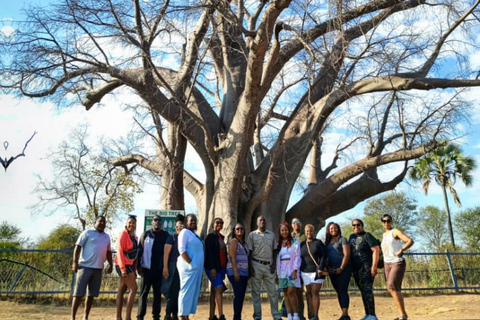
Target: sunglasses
356	225
156	219
239	229
296	222
387	221
218	222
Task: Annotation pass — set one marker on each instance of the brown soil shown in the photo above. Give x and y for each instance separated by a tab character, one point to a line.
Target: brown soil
429	307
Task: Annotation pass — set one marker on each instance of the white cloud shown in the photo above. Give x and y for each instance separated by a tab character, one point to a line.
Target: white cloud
7	31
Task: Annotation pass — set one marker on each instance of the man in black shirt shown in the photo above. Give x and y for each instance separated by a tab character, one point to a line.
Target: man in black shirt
150	267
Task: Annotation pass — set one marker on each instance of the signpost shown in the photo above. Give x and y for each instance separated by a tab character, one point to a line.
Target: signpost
168	219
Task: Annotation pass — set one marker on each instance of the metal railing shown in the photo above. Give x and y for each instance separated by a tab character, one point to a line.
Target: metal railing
48	272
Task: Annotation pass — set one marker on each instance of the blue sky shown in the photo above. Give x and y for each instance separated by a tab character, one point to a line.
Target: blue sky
19	118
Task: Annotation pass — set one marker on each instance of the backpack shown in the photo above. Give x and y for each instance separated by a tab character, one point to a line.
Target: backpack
381	263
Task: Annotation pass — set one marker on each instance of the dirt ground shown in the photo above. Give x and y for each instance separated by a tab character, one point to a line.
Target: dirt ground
429	307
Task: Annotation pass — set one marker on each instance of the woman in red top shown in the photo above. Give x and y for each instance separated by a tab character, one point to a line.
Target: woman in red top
125	265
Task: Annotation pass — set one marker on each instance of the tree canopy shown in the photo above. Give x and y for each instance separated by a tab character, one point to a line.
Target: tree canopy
432	227
257	87
84	183
398	205
444	165
62	237
10	236
467	225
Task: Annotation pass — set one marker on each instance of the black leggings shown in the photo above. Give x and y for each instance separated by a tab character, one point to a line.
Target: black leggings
340	283
364	280
172	299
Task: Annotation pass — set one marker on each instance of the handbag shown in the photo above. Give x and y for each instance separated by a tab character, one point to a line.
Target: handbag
132	254
318	271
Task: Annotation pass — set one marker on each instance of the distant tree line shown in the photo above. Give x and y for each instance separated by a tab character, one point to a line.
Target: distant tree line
427	225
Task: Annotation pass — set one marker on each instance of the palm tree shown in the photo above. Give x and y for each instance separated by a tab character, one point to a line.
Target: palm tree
445	164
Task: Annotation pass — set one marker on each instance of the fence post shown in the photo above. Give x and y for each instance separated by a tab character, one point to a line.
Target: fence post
452	271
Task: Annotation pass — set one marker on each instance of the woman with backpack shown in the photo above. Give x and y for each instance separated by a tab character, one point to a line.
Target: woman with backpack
394	244
365	257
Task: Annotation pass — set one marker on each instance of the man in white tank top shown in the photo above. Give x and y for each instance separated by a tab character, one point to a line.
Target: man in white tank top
394	244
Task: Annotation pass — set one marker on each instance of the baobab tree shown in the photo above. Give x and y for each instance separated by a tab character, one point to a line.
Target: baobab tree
255	87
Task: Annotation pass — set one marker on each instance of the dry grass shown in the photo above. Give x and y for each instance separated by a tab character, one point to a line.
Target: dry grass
430	307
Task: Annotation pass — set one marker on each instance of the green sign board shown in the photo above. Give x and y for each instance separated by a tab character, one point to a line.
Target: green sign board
168	219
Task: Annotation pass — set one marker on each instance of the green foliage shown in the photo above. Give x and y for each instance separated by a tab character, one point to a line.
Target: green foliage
432	226
346	229
115	194
467	224
397	204
10	236
63	237
444	165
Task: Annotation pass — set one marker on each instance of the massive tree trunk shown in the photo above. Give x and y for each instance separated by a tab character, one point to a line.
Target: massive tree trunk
172	195
283	77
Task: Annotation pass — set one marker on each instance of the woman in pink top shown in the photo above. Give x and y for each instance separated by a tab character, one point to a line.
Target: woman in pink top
125	265
288	268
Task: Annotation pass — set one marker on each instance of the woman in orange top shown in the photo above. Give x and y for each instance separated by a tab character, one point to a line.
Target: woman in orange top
125	265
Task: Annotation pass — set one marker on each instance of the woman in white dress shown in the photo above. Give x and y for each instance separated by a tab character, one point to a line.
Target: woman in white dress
190	267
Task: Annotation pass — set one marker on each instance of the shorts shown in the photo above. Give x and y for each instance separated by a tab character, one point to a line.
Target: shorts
286	282
394	273
217	282
130	269
87	278
309	278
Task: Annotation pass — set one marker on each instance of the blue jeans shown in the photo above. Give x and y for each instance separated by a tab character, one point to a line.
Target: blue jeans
239	289
340	283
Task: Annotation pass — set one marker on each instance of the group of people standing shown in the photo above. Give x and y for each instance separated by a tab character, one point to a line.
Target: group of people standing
298	259
359	256
173	265
153	256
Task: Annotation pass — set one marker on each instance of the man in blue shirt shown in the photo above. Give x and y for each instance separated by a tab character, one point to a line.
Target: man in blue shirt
91	250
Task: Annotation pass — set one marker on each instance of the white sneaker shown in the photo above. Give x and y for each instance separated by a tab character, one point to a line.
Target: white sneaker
371	317
365	317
